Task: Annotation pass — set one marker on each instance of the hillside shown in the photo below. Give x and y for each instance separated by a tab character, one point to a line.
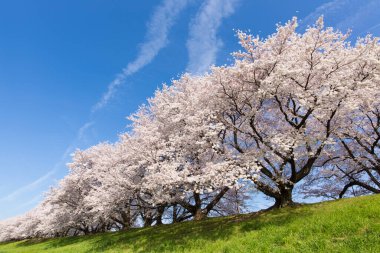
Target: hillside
349	225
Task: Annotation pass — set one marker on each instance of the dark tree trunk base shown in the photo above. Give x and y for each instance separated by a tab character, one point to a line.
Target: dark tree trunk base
278	205
199	215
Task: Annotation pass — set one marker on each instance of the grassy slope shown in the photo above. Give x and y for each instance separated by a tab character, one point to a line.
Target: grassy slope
349	225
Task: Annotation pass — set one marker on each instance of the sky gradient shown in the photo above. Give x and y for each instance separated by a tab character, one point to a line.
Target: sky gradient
71	71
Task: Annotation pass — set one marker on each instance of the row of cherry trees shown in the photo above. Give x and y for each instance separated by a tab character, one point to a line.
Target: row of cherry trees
294	112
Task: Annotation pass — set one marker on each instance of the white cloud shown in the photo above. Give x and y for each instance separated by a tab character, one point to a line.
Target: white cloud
39	181
360	16
332	8
203	43
374	28
32	202
49	174
83	129
156	38
28	187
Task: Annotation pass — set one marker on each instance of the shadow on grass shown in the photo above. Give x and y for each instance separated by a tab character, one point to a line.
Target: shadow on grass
30	242
179	236
195	234
7	242
53	242
61	242
275	218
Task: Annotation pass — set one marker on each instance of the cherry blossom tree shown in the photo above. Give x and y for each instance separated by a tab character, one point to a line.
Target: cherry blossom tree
285	99
189	161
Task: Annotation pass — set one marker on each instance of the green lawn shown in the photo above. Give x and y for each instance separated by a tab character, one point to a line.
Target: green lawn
349	225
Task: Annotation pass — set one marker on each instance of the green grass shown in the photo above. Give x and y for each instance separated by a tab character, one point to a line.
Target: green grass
349	225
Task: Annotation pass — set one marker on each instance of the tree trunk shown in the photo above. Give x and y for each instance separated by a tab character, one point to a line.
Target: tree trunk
175	218
160	212
199	214
148	221
197	208
126	217
284	197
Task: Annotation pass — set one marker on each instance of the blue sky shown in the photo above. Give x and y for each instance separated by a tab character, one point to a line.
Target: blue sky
71	71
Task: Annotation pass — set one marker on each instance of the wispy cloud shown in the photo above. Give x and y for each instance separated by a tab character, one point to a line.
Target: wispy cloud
28	187
332	8
156	38
203	43
360	16
374	28
32	202
82	130
51	173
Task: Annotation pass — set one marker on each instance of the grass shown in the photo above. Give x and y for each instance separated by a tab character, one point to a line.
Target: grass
348	225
